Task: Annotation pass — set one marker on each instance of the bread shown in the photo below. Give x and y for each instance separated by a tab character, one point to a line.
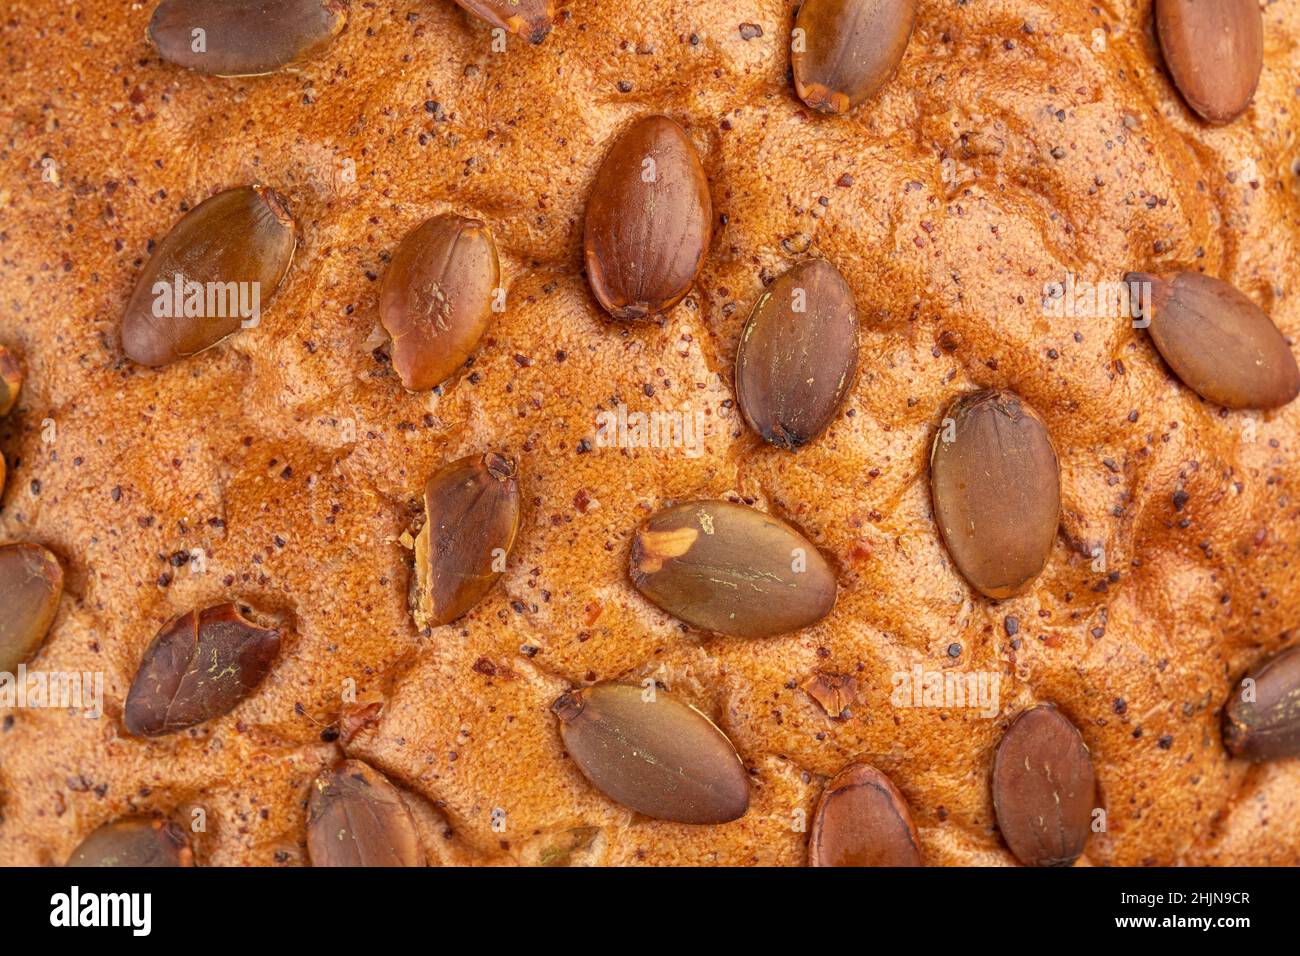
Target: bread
1015	144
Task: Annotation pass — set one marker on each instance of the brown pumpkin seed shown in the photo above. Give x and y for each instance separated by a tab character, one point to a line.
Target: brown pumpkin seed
1262	719
648	220
653	754
436	299
244	37
471	512
357	818
996	487
11	380
844	51
527	18
223	259
731	569
31	583
1220	343
798	354
1044	790
200	666
1215	51
862	820
134	841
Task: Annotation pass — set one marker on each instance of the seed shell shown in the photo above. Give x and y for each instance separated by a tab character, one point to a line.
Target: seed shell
531	19
1218	342
648	220
844	51
1262	719
1215	52
200	666
31	583
134	841
731	569
11	380
862	820
436	298
244	37
471	520
798	354
653	754
1044	790
235	245
996	488
357	818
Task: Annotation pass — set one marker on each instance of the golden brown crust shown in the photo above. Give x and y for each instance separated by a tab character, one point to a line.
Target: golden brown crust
1015	144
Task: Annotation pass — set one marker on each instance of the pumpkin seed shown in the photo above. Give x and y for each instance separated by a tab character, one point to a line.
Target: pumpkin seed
1215	51
212	272
471	512
648	221
844	51
798	354
357	818
528	18
1044	790
200	666
31	583
731	569
1262	719
996	487
653	754
436	299
1219	342
244	37
862	820
134	841
11	380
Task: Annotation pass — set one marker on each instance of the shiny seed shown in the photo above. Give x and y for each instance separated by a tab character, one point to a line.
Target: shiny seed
227	256
134	841
996	488
1044	791
527	18
862	820
648	220
471	512
844	51
436	299
11	380
653	754
1262	718
31	582
798	354
199	667
1215	51
244	37
1219	342
731	569
357	818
